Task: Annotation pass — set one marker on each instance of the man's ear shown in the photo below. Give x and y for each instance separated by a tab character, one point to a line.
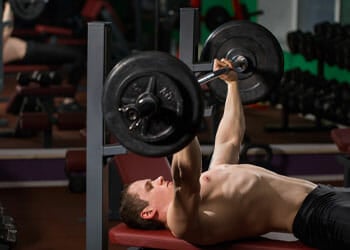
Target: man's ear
148	213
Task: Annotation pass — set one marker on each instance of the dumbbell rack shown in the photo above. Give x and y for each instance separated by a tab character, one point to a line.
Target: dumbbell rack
98	149
328	44
285	126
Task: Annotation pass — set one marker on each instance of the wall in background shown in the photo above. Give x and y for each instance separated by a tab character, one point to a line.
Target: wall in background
344	12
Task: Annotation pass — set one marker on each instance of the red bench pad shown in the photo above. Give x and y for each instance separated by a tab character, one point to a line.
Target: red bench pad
163	239
14	68
341	137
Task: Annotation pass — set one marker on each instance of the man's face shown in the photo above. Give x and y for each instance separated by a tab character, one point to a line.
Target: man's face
157	192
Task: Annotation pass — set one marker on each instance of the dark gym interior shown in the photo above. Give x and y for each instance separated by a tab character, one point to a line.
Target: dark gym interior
55	91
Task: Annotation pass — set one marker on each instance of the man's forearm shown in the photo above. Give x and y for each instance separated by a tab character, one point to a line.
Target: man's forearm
186	165
189	157
7	19
231	128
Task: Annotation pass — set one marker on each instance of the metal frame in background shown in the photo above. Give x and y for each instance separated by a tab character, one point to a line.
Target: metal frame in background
1	45
189	39
98	66
99	34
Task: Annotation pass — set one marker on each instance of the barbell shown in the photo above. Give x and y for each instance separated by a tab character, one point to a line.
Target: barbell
152	101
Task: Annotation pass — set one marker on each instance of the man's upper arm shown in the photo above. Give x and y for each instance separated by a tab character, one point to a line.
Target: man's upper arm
186	170
225	153
182	216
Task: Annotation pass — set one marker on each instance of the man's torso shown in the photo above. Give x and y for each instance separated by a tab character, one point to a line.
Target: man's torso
239	201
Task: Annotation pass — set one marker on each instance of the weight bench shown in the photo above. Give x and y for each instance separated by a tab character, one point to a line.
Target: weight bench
16	100
32	120
341	137
132	167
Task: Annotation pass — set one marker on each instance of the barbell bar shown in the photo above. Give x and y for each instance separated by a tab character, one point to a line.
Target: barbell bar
240	64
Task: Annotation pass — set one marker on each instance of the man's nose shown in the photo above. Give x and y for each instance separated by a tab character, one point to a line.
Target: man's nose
160	180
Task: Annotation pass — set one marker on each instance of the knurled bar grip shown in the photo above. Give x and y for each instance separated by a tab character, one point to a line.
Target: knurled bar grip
240	64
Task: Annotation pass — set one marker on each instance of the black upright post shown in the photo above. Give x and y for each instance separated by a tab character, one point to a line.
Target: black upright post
189	39
1	45
96	173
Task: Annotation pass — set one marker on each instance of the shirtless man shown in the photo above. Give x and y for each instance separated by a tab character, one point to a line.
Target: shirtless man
233	201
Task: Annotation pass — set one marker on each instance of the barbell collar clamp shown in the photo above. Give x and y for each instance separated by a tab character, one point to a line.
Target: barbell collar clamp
132	115
147	104
240	63
130	112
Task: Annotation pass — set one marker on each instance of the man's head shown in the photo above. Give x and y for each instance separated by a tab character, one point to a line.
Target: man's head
144	203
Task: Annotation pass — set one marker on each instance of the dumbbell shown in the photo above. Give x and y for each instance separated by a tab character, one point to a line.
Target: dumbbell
343	54
307	45
294	40
43	78
278	95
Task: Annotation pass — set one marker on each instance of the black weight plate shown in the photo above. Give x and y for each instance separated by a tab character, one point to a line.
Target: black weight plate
259	46
216	16
152	105
173	124
27	9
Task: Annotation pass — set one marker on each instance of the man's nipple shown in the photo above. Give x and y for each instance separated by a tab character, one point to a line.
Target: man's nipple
205	178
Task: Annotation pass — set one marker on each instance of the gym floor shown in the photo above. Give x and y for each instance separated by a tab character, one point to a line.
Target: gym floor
47	218
50	218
